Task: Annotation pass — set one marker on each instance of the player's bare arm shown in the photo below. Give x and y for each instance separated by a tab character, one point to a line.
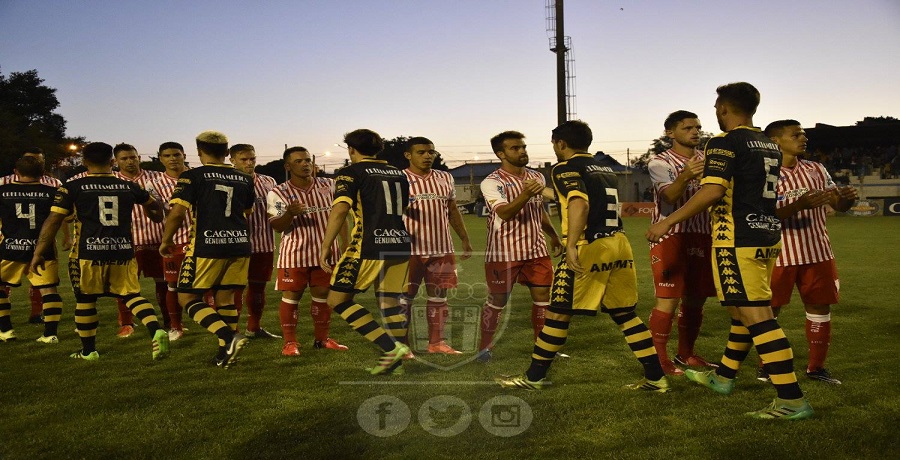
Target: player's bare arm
530	188
336	219
173	222
674	191
67	240
154	210
708	195
46	240
578	212
843	197
809	200
556	247
456	221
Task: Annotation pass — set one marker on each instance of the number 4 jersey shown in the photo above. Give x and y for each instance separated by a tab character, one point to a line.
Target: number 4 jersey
102	205
581	176
23	209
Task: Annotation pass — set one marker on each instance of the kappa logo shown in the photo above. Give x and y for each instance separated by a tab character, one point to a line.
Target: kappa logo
733	290
654	259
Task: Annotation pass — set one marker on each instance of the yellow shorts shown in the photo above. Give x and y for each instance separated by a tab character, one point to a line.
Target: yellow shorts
104	277
11	273
609	281
199	274
742	275
356	275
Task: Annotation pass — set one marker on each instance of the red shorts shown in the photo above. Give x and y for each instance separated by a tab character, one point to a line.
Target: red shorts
261	267
500	276
149	261
437	271
818	283
172	264
681	266
296	279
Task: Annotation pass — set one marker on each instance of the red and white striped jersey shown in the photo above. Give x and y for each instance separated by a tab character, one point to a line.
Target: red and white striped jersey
300	243
804	239
664	168
165	188
143	230
427	218
520	238
261	237
45	179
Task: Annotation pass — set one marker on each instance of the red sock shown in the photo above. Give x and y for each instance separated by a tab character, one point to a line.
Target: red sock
689	321
174	309
436	311
125	315
818	334
490	319
37	301
538	312
321	317
162	290
256	301
660	328
287	314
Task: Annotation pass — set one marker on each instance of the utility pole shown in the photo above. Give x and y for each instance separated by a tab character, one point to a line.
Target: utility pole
560	50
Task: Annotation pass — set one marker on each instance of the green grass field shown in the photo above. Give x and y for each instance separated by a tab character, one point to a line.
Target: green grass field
127	406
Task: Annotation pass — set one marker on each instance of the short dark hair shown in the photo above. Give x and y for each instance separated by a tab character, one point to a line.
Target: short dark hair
497	141
576	133
238	148
213	143
34	151
364	141
418	140
170	145
123	147
776	128
676	117
741	96
30	167
288	151
97	153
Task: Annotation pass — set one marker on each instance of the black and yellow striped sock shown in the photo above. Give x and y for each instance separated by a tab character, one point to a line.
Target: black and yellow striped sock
52	311
395	322
362	322
229	315
639	340
739	344
205	316
549	341
777	357
5	319
86	321
142	310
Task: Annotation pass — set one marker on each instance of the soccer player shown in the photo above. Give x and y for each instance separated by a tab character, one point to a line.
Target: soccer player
516	250
739	179
379	248
24	206
806	258
298	209
102	261
34	293
171	155
682	271
598	269
218	198
146	234
431	213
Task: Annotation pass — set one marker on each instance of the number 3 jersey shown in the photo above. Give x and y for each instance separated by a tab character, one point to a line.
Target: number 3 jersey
581	176
747	164
377	193
102	205
219	198
23	209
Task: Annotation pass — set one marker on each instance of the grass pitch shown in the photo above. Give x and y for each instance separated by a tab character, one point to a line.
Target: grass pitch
320	405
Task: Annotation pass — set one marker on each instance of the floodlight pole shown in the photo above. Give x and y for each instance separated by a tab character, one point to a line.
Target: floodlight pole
560	50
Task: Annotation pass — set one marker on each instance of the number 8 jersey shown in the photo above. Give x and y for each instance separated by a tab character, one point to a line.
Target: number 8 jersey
747	164
102	205
378	194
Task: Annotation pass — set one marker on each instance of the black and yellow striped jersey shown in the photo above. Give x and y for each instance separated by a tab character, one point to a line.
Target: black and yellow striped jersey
23	209
378	194
219	198
102	205
582	176
747	164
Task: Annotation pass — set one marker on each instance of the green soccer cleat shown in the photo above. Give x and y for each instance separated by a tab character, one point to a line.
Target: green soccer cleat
519	381
7	336
658	386
92	356
388	359
711	380
47	339
796	409
160	344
